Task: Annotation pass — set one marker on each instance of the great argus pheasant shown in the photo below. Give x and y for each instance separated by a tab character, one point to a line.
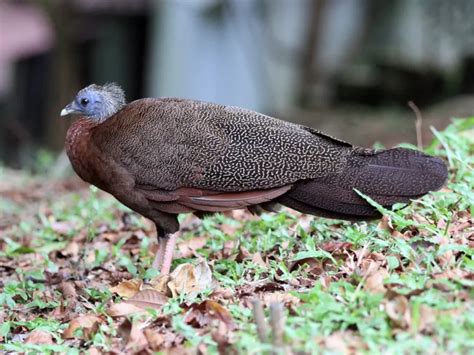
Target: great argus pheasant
166	156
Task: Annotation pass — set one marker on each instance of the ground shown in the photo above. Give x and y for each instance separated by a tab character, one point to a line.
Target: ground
75	274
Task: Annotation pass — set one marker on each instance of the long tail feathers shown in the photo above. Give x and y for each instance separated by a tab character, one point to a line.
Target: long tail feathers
388	177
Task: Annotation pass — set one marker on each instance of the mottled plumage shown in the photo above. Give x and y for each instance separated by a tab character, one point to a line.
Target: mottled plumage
167	156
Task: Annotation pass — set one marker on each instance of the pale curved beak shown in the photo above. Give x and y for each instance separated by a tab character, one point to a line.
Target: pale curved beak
68	110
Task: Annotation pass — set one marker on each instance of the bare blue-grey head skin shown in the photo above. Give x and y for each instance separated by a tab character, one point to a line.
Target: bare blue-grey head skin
97	102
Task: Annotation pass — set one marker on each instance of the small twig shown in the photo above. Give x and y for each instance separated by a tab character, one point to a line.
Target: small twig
277	322
418	123
362	254
259	320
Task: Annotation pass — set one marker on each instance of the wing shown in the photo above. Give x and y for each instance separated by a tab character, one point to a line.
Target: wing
263	152
192	200
189	155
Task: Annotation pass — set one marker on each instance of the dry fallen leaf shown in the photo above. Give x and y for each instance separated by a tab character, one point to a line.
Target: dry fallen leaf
68	290
90	258
228	249
257	259
334	245
228	229
72	249
243	254
155	339
148	298
311	266
386	224
70	296
218	311
279	297
190	279
127	288
112	237
427	318
88	323
188	248
220	292
325	281
160	284
39	336
204	313
137	340
447	258
373	274
398	311
343	342
124	309
375	281
451	274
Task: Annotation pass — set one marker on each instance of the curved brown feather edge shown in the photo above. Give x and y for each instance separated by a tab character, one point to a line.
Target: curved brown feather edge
191	200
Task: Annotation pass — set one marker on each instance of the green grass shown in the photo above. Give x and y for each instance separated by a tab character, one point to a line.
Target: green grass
401	286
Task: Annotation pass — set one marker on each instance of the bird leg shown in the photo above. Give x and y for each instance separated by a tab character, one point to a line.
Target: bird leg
164	255
160	253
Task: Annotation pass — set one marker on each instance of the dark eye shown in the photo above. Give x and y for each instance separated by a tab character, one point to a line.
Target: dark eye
84	102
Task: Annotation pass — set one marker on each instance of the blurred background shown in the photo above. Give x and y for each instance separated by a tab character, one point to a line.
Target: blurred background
346	67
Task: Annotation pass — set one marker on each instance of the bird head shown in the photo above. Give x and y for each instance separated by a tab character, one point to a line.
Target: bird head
97	102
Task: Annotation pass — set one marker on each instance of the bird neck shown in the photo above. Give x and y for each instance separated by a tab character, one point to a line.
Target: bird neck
78	132
79	148
110	108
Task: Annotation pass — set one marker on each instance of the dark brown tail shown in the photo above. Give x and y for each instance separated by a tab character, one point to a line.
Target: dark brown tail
388	177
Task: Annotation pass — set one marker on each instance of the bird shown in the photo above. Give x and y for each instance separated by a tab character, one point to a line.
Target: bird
162	157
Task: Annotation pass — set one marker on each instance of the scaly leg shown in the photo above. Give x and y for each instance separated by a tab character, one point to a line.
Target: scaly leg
164	256
160	253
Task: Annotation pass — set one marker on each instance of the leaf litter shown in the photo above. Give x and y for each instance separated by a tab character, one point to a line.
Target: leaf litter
76	275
